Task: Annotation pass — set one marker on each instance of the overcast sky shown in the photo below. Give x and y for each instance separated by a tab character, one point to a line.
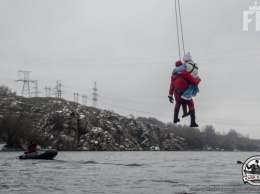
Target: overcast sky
129	48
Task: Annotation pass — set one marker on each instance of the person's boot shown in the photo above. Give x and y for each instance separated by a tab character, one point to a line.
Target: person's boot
185	112
192	119
176	114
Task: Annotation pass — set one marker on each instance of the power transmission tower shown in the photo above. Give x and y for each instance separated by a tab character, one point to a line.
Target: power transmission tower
84	99
26	82
76	97
58	91
36	92
47	91
95	95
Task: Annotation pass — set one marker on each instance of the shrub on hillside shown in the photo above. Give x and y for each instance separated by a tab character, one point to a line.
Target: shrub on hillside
5	91
16	131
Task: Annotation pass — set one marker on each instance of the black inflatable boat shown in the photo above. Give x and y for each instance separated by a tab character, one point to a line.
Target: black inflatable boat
46	155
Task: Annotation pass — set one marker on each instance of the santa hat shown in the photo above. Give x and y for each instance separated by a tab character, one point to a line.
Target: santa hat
187	57
178	63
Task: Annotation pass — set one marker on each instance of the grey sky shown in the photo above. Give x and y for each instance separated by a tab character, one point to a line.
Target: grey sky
129	47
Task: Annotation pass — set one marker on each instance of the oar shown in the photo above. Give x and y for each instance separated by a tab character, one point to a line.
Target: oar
239	162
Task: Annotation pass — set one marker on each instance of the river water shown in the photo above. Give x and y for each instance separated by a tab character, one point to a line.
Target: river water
125	173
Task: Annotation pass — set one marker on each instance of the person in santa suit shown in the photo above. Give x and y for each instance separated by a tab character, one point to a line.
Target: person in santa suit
179	84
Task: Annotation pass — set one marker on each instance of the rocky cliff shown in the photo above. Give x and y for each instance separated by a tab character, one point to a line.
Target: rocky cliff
71	126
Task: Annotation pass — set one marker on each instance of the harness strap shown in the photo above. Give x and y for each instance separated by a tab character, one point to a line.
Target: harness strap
178	76
193	67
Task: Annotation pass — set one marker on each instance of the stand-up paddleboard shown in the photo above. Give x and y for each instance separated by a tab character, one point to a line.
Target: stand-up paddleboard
46	155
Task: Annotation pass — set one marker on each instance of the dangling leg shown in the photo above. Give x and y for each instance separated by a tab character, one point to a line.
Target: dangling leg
184	108
178	102
192	113
192	119
176	114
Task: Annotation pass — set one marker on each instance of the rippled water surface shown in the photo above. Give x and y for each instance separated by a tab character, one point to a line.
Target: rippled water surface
122	172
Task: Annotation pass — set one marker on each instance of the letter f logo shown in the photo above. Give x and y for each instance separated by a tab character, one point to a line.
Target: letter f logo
246	19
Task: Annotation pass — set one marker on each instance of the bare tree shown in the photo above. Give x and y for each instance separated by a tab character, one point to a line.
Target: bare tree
14	130
5	91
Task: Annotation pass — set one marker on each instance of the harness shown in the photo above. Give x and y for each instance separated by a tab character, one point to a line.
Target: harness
178	76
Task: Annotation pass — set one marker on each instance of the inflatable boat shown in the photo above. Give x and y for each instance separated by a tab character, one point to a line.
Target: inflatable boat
46	155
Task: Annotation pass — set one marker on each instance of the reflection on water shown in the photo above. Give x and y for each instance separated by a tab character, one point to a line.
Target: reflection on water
122	172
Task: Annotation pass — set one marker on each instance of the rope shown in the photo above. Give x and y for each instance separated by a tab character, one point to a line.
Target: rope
178	13
177	27
181	28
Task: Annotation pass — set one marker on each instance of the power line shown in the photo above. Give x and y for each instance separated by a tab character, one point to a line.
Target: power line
132	101
56	61
202	119
109	93
125	108
159	64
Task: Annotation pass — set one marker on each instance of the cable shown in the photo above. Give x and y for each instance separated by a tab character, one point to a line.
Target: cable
159	64
181	27
125	108
177	28
109	93
134	58
178	13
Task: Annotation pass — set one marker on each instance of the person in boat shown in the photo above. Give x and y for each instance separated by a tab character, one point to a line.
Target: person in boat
179	84
254	168
32	147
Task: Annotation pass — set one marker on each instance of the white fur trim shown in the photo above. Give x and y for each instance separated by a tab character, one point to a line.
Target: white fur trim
183	97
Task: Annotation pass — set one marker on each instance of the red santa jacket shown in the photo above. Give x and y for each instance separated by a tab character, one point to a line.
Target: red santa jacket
32	148
181	81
